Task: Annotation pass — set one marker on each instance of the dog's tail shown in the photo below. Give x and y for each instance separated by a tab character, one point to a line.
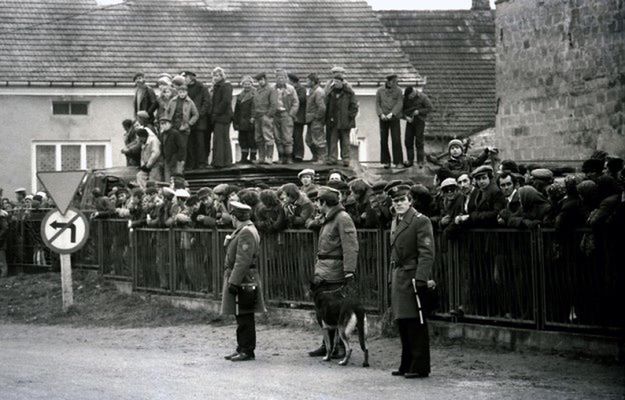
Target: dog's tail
361	324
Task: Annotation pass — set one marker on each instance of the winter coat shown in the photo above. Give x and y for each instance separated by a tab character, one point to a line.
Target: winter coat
244	112
270	219
265	102
337	249
485	205
534	208
389	100
300	116
420	102
4	229
299	212
465	163
222	102
451	208
148	101
150	151
190	113
316	105
133	148
341	108
241	268
198	92
289	99
412	256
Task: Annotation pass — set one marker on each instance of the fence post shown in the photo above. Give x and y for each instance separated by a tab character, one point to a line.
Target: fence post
100	244
171	253
538	277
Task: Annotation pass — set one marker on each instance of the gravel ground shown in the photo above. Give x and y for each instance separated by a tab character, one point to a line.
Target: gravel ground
185	362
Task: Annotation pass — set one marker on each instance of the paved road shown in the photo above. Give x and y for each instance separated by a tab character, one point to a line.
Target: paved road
185	362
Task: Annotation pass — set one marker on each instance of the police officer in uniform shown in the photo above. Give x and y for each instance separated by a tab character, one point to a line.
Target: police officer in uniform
242	290
337	253
412	256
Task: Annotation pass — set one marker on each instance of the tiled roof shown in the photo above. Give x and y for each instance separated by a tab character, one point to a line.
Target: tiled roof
456	51
109	44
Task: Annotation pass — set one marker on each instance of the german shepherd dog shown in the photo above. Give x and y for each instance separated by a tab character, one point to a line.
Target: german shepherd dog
334	311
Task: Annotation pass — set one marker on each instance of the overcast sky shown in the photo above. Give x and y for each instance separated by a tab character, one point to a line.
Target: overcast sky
422	4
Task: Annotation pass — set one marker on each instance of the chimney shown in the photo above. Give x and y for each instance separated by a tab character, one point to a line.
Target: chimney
480	5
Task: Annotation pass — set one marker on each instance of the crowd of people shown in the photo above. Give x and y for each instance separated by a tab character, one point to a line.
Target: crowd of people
175	129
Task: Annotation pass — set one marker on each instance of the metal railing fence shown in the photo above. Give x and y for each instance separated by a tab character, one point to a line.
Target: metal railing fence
533	278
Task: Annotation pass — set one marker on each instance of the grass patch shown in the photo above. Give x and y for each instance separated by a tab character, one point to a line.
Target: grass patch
37	299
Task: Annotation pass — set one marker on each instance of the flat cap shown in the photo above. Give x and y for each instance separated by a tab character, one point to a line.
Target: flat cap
220	189
390	77
481	170
20	190
188	73
337	70
204	192
293	77
328	193
378	187
542	174
260	76
178	80
307	171
449	182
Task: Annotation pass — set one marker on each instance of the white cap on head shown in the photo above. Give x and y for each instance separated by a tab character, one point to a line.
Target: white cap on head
182	193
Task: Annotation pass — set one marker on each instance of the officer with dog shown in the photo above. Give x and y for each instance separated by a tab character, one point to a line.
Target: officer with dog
412	256
337	254
242	290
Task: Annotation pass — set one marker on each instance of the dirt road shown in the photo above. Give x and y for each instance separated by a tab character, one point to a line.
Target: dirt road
185	362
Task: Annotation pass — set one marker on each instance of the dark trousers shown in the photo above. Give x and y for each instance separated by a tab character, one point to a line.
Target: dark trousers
196	149
395	129
414	138
298	141
246	140
175	146
337	135
246	333
415	346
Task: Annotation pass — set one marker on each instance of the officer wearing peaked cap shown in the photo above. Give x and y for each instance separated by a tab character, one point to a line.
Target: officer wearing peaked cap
337	252
242	289
412	256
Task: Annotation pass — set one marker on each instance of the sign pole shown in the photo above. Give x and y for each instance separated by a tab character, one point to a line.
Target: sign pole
66	281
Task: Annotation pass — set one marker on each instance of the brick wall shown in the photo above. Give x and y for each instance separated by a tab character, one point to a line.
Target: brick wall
560	78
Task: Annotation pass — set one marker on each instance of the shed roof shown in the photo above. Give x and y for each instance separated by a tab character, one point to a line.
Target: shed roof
455	50
61	41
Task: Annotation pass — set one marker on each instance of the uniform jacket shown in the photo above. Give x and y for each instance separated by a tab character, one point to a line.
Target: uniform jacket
341	108
300	116
412	255
190	114
389	100
198	92
222	102
289	98
337	238
241	268
148	101
265	102
484	206
316	105
244	111
420	102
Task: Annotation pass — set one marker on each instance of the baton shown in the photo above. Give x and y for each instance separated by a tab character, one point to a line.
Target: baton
416	295
236	304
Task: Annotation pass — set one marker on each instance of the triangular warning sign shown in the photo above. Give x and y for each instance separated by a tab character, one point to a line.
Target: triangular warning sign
61	186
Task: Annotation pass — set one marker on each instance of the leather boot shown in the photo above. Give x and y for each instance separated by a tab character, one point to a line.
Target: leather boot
243	159
252	156
269	154
261	154
313	151
321	156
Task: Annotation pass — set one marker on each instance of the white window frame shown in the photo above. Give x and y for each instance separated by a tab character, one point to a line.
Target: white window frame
108	155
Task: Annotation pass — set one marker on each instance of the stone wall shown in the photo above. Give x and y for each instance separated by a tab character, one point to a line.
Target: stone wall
560	78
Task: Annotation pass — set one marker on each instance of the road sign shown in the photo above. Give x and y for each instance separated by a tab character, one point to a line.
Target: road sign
61	186
65	233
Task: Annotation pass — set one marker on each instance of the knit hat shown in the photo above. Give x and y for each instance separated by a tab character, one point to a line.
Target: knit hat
455	142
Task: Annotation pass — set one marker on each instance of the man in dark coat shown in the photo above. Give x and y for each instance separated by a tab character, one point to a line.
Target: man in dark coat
337	253
300	119
221	115
416	107
243	120
341	110
412	256
145	98
242	281
198	147
485	203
